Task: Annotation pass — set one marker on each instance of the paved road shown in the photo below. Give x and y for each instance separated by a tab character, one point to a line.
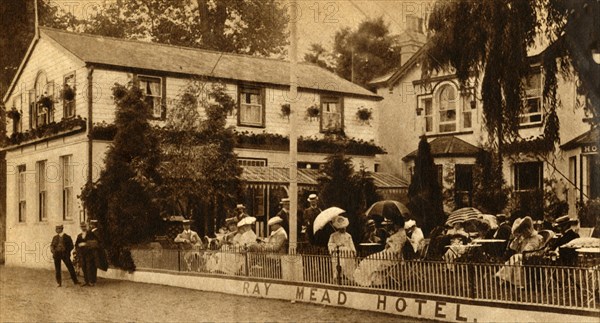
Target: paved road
31	295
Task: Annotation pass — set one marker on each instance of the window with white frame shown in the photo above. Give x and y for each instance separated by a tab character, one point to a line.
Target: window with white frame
67	186
532	105
467	112
251	107
68	102
22	192
331	113
152	89
42	193
447	109
43	88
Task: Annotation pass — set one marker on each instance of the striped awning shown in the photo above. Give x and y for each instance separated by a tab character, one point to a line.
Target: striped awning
273	177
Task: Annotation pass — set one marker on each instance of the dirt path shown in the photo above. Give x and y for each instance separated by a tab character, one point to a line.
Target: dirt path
31	295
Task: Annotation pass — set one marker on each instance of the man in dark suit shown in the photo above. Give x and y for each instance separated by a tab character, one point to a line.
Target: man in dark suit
101	259
309	216
61	248
566	227
86	245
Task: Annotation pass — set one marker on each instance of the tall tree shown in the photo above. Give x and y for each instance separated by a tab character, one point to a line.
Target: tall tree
199	168
317	54
341	186
123	198
366	52
489	40
248	27
424	193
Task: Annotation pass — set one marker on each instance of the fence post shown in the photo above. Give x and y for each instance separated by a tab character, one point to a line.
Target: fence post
178	259
471	279
246	262
338	267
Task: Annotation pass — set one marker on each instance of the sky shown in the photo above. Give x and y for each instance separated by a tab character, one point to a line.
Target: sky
318	19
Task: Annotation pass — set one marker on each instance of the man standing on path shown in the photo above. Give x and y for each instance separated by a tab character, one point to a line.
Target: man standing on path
86	245
61	248
101	258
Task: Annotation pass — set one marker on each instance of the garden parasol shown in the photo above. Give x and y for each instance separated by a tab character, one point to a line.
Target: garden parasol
325	217
388	209
463	215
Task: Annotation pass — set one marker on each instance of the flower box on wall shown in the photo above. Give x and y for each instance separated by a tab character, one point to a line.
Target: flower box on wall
313	112
364	115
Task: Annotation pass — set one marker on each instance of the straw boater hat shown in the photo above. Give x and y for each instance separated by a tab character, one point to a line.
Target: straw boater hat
275	220
312	197
285	200
249	220
563	221
186	222
371	223
240	206
340	222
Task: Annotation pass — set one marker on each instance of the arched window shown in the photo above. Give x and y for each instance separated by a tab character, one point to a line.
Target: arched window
42	115
447	109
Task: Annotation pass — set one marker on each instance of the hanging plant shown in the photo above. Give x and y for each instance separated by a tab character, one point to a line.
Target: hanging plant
364	115
67	93
313	111
285	110
46	102
13	114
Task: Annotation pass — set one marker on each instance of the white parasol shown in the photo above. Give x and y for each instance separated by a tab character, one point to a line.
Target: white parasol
325	217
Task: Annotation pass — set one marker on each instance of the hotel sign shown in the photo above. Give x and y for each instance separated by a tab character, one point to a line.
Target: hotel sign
589	149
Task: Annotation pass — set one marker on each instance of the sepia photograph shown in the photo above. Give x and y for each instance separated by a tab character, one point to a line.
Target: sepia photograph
300	161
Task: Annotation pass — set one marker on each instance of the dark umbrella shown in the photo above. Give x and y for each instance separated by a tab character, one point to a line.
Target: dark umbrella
388	209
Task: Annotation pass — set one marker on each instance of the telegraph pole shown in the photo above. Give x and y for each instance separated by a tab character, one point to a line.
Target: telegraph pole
293	164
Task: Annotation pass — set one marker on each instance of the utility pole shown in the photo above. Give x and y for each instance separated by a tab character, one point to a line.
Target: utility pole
293	164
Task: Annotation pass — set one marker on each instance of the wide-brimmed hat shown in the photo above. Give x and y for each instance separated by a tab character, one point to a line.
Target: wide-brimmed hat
240	206
249	220
522	225
340	222
312	197
275	220
564	220
409	224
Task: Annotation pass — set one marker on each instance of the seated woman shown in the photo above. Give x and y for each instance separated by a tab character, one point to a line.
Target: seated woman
371	271
341	242
456	239
525	239
229	260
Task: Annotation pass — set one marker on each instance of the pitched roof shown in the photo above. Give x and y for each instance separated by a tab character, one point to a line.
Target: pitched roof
448	146
587	138
160	57
255	176
392	76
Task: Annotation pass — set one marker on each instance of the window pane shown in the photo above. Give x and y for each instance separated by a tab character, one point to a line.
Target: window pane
528	176
251	114
429	124
467	120
428	107
448	127
464	177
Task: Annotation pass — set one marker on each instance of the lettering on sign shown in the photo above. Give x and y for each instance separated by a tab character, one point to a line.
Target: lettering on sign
260	289
322	296
589	149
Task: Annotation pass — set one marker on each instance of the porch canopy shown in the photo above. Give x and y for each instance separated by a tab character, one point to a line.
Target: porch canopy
588	141
447	146
274	177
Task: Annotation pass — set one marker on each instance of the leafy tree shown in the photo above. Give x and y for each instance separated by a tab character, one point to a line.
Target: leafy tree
367	52
424	193
122	199
490	194
493	38
248	27
199	168
352	191
318	55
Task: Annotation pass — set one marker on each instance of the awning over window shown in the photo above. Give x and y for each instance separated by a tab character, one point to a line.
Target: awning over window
273	177
448	146
589	138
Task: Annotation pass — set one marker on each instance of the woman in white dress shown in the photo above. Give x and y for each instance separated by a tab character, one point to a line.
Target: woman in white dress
371	271
341	242
230	260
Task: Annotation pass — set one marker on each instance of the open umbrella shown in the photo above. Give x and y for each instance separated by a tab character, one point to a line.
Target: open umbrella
325	217
463	215
388	209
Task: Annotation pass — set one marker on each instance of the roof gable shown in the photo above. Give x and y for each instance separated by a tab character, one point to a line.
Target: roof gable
167	58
